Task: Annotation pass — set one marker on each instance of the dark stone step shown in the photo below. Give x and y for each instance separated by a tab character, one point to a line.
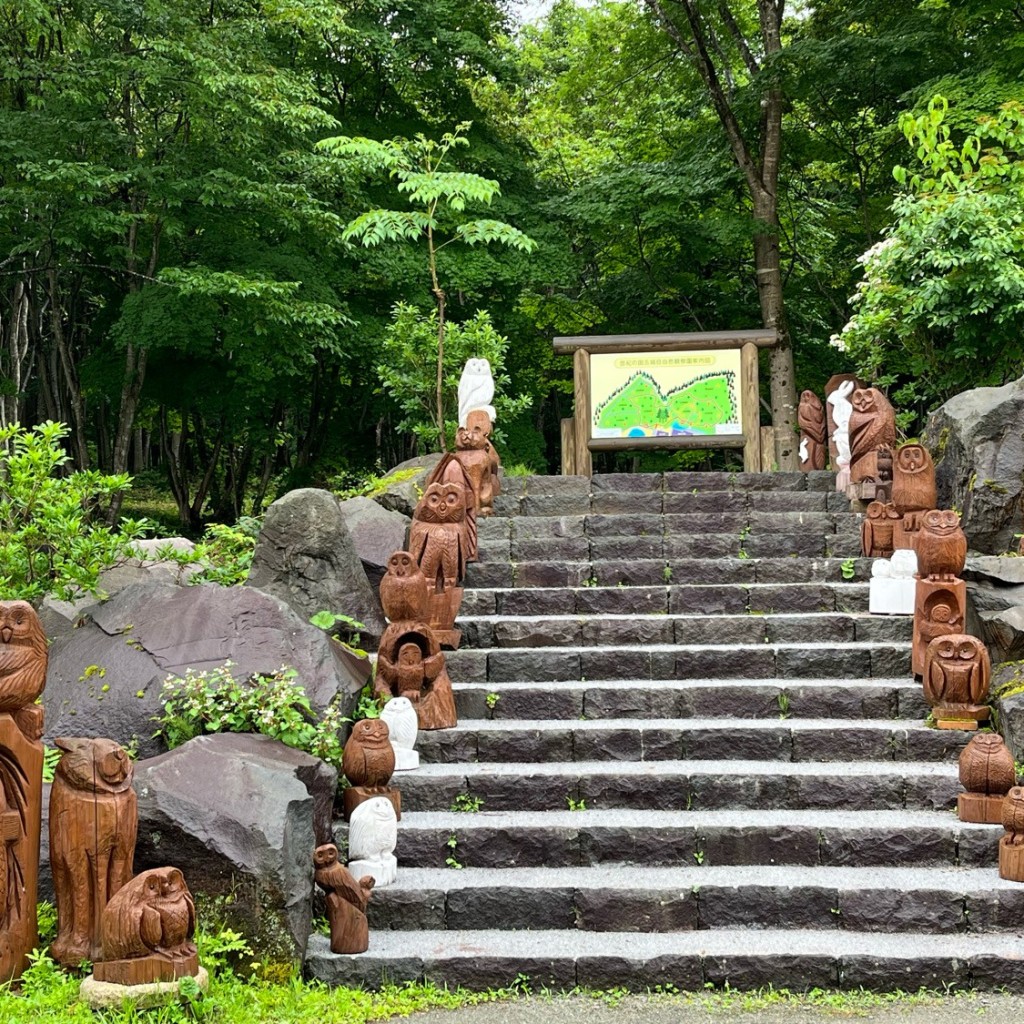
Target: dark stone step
636	898
682	785
829	837
617	630
755	661
694	698
696	739
709	598
683	961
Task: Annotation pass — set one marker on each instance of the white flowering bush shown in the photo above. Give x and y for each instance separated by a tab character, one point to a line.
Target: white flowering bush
940	307
275	705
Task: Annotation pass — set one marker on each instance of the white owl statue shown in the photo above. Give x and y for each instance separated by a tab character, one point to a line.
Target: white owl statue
403	727
476	389
372	838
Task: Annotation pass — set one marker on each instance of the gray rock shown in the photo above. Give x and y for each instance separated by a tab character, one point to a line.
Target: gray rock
240	815
306	557
402	487
105	678
1010	707
376	532
977	440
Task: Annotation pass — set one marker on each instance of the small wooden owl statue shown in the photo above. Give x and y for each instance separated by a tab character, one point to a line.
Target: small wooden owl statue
403	590
368	759
913	479
941	546
346	900
877	528
957	672
23	660
986	765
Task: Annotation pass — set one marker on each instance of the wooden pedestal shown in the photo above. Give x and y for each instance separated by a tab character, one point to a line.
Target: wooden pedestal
355	795
963	716
145	970
1011	860
979	808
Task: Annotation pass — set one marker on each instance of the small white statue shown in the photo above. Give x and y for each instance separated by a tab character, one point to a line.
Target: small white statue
404	726
372	838
892	587
842	410
476	389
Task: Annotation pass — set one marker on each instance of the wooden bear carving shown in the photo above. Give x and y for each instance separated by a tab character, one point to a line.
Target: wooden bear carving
93	825
478	457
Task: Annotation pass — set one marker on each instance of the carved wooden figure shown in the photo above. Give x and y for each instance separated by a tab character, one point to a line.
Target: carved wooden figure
403	590
877	529
872	436
939	608
23	660
957	673
478	458
410	664
368	763
846	383
147	930
93	824
987	773
908	529
913	479
1011	846
346	900
372	837
941	546
813	439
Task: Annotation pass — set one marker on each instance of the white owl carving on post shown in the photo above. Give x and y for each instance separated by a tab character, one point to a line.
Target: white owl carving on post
476	389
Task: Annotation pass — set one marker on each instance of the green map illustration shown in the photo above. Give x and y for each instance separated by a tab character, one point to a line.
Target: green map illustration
640	408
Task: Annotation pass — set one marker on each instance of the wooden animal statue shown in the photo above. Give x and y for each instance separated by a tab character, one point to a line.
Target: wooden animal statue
872	427
876	530
939	609
476	390
987	772
403	590
437	538
23	661
368	759
813	439
147	930
941	546
346	900
93	825
477	456
913	479
957	672
410	664
1011	846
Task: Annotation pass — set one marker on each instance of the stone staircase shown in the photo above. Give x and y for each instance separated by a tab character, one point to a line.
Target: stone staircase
686	755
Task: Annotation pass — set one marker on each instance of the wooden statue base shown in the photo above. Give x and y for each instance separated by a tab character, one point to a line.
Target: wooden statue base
980	809
964	716
1011	860
350	932
940	607
145	970
355	795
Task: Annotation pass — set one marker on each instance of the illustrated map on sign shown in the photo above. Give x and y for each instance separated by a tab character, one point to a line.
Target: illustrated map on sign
665	395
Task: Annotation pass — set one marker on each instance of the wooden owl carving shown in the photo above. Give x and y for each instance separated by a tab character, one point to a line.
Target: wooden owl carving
152	915
813	432
346	900
438	538
403	590
872	426
1013	816
913	479
93	826
23	655
876	531
957	671
368	759
986	765
941	545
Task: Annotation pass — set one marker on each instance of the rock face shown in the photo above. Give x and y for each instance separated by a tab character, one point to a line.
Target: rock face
306	557
977	440
377	534
240	816
995	589
105	677
404	485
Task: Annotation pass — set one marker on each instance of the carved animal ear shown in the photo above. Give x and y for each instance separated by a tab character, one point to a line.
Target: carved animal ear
70	744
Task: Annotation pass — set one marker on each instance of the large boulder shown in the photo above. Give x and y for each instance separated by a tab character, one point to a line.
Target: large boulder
401	489
240	815
105	678
995	591
376	533
305	557
977	441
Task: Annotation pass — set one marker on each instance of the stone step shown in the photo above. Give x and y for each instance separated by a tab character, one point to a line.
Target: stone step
708	599
694	698
687	961
572	839
481	631
673	661
653	572
694	739
682	785
636	898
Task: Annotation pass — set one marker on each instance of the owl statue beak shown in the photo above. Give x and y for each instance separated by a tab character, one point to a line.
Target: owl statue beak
6	634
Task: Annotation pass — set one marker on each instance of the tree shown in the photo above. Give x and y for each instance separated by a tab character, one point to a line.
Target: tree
439	199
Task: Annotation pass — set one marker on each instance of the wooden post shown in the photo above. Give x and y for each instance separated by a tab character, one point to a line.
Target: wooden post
568	447
767	449
750	405
581	411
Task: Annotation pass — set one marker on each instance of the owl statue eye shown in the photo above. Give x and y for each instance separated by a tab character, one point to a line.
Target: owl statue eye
947	650
967	651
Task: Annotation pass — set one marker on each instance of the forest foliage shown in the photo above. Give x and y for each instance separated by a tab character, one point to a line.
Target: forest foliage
178	286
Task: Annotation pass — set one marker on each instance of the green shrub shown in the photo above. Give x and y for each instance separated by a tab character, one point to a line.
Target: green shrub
223	556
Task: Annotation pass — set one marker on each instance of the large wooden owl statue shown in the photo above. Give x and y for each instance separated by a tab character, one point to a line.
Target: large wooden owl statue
941	546
877	528
23	655
437	539
813	432
368	759
957	672
913	479
403	590
872	427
